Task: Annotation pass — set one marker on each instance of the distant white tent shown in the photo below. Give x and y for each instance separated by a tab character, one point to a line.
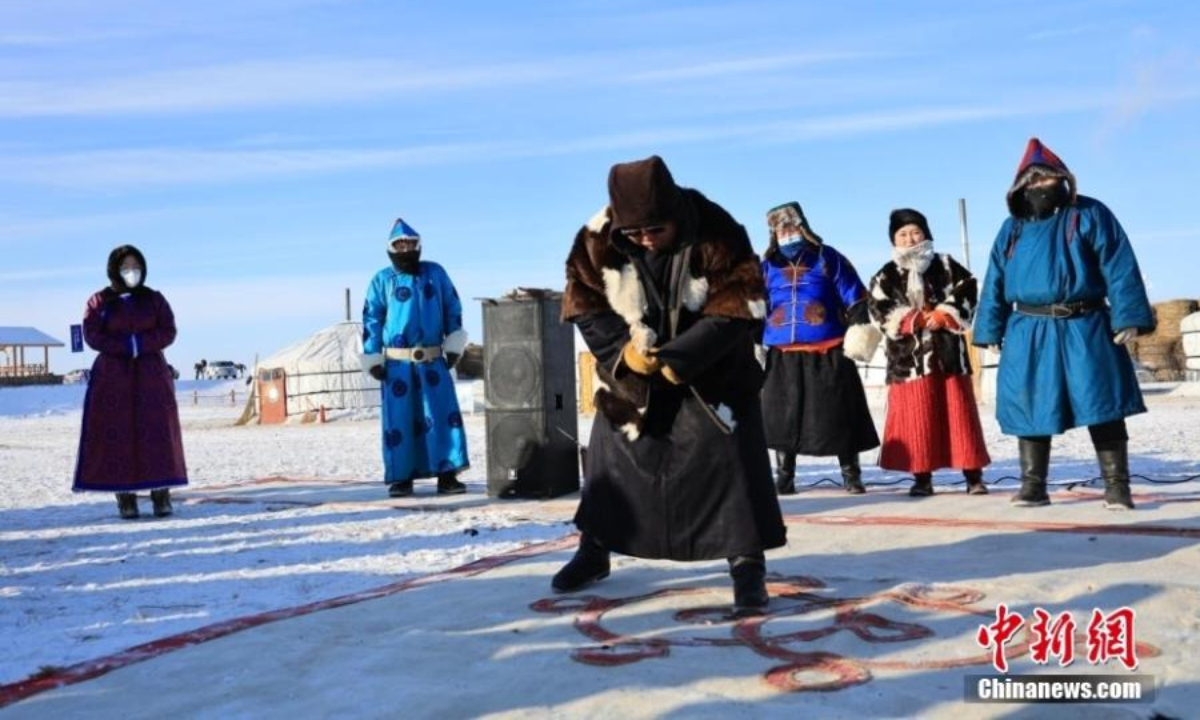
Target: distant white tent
323	370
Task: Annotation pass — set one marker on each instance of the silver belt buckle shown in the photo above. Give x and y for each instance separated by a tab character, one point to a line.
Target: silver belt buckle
1060	311
418	354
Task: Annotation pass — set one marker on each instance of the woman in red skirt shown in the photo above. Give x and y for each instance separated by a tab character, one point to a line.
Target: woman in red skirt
924	302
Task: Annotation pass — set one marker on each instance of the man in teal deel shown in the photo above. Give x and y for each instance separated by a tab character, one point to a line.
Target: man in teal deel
412	337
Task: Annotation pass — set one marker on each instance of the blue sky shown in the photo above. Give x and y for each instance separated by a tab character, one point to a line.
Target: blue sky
258	150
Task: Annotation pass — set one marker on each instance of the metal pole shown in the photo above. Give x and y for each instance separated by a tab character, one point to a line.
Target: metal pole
962	231
347	304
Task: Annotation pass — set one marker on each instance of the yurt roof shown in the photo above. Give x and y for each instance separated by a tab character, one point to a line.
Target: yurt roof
336	347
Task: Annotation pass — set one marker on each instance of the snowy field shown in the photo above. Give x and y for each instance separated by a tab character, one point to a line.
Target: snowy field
282	516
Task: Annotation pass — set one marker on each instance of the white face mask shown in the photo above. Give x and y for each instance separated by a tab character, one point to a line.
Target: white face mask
132	277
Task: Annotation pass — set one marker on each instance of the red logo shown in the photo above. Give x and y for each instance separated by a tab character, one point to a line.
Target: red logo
1053	636
1111	636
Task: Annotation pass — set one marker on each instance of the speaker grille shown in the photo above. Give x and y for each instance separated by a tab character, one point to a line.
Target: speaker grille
514	377
513	437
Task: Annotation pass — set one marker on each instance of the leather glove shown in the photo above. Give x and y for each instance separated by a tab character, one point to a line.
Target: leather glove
670	375
639	362
378	372
452	360
1123	336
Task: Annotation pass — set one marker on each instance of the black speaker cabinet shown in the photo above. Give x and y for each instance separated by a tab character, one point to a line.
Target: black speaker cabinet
532	421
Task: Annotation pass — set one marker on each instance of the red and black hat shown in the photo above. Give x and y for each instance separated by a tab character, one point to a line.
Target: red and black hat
1039	161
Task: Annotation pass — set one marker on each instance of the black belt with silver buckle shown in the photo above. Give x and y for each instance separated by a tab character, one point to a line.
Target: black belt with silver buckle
1061	310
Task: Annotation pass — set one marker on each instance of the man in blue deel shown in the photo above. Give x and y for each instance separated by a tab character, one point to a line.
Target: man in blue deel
1063	295
412	337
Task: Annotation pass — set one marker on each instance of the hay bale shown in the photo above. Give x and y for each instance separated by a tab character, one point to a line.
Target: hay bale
1168	375
1170	313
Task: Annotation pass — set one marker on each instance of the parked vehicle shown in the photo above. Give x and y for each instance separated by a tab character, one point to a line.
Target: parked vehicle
221	370
76	377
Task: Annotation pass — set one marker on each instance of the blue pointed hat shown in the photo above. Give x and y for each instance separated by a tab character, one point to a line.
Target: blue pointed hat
402	231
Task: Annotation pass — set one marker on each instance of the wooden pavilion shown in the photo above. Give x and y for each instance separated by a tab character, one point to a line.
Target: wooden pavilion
15	367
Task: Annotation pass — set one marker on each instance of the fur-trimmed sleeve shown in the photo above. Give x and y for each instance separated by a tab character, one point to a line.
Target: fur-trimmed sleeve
728	269
585	284
888	306
961	295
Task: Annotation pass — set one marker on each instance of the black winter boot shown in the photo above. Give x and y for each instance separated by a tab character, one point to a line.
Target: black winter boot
1035	464
922	485
162	502
785	473
975	484
1113	457
127	506
590	564
448	484
749	574
400	489
852	474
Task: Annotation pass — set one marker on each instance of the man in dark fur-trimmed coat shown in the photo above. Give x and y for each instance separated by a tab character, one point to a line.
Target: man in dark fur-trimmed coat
668	294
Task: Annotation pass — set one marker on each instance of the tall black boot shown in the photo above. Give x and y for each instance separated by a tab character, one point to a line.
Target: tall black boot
749	574
1113	457
975	484
127	506
162	502
590	564
1035	465
852	473
785	473
448	484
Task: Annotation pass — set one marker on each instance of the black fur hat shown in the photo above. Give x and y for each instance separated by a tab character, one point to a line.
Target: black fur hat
907	216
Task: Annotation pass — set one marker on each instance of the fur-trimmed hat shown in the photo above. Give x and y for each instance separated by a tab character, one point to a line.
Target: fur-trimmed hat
1038	161
907	216
115	258
402	231
642	193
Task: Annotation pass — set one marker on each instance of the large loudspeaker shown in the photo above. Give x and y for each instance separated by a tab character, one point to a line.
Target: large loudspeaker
532	421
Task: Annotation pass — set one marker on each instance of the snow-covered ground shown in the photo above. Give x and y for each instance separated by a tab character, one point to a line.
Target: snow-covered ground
280	516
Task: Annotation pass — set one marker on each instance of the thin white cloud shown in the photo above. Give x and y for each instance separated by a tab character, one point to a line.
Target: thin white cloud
244	85
322	81
1061	32
38	274
740	66
176	166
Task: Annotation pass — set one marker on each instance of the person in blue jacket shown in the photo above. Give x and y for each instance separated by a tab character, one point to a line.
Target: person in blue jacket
813	398
412	337
1063	295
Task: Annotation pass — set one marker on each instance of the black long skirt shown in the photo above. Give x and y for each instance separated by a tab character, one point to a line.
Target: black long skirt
683	490
814	404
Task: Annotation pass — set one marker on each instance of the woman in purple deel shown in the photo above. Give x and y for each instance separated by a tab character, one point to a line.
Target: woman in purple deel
130	439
